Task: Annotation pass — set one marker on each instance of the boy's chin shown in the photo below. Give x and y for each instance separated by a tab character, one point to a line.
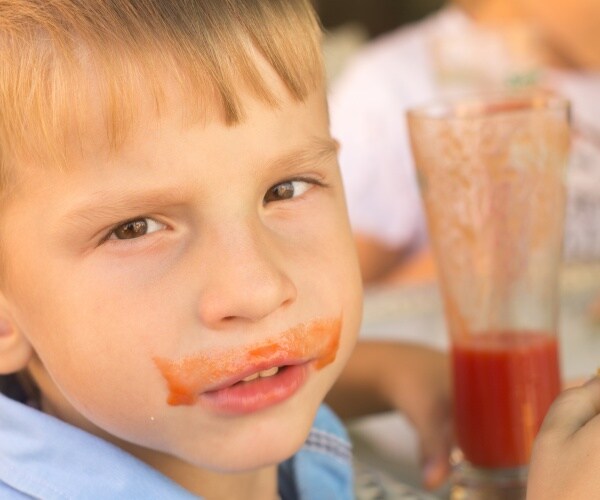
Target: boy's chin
271	454
272	448
264	442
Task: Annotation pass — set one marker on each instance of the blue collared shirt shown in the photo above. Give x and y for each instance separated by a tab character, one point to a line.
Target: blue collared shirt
43	457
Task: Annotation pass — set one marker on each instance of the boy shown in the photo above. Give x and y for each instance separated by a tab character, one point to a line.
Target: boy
178	284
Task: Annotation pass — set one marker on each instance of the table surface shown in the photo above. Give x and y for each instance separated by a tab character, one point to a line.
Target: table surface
385	446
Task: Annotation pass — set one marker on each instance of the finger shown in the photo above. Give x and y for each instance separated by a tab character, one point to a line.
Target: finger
573	409
575	382
435	436
435	471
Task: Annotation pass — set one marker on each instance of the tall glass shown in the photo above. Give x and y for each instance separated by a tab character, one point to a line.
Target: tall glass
491	171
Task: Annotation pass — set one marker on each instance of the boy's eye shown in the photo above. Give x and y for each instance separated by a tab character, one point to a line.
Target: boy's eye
135	228
287	190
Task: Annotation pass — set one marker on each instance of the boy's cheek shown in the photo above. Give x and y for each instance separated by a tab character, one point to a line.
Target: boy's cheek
352	316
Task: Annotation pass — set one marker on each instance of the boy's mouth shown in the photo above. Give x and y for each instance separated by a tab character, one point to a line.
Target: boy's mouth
257	391
264	372
255	374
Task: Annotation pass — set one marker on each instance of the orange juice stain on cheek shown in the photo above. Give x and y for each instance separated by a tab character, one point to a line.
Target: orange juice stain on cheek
329	354
315	344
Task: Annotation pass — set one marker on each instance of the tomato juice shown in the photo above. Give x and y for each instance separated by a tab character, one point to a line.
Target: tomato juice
504	383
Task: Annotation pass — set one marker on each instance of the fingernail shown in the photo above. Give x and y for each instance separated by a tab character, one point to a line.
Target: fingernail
434	472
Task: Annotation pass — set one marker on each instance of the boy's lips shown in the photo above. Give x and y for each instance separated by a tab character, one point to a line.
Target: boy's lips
217	370
246	397
237	378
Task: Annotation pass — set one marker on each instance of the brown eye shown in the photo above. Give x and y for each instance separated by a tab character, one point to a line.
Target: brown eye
283	191
131	229
135	228
290	189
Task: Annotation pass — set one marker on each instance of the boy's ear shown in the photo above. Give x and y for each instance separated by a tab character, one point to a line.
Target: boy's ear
15	349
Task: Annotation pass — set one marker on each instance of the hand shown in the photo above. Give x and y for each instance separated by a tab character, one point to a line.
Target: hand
566	453
381	376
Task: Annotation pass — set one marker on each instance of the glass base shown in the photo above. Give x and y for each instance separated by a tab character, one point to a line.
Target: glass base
476	483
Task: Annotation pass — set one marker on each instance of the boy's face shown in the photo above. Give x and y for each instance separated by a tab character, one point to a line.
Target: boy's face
191	258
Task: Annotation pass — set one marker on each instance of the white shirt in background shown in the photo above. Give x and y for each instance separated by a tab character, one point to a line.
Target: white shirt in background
442	56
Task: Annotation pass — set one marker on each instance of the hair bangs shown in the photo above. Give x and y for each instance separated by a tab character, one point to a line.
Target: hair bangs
65	62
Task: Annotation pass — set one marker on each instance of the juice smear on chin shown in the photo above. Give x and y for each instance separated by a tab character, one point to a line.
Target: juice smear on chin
504	383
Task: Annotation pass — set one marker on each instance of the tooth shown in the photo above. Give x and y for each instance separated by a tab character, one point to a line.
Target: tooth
250	378
265	373
270	372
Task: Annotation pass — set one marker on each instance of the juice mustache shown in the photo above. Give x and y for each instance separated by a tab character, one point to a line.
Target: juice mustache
188	377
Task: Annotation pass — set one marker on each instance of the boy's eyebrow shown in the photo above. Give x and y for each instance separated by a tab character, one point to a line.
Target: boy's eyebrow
319	150
107	203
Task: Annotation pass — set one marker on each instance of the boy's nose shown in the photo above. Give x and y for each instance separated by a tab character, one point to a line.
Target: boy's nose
245	284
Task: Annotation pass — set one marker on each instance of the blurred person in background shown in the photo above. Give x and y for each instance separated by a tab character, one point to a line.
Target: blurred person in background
467	46
474	46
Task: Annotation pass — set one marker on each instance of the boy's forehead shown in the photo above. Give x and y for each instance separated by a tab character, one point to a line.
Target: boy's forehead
168	100
147	119
102	125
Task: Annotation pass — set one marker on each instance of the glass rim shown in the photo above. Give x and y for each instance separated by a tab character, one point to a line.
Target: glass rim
486	104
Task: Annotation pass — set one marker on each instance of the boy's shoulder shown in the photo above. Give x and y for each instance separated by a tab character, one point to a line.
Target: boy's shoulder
322	468
43	457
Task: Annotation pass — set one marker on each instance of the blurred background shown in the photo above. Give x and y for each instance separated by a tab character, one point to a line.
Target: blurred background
375	16
349	24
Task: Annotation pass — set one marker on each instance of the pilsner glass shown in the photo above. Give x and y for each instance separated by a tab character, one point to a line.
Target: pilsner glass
491	171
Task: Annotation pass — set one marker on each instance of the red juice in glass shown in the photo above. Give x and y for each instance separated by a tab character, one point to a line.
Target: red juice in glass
504	383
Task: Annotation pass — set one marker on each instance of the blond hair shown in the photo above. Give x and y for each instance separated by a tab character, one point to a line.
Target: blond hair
50	48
